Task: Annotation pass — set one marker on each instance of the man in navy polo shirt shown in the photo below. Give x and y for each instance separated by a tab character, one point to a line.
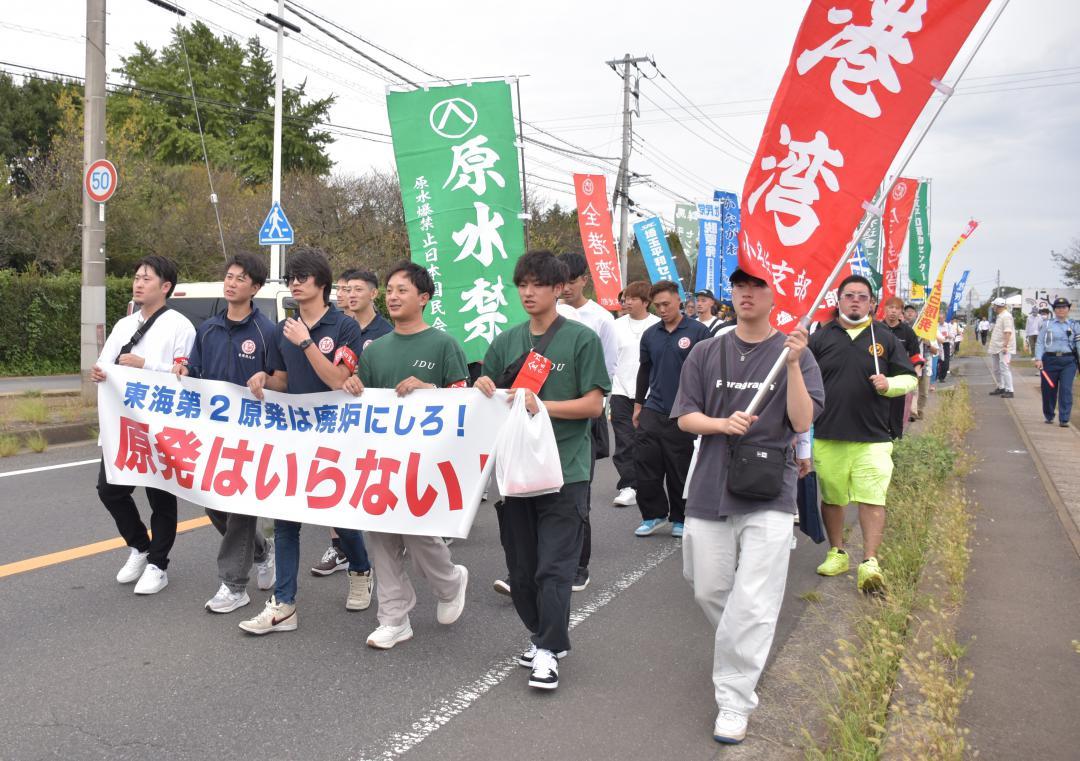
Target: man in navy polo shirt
663	451
232	346
313	353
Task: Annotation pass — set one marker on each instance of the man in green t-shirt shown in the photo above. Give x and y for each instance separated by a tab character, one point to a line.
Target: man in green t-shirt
542	536
414	356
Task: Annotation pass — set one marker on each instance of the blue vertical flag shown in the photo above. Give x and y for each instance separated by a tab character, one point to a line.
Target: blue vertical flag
654	249
729	240
709	264
957	294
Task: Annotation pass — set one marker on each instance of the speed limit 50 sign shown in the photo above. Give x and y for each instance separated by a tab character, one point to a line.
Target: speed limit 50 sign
100	180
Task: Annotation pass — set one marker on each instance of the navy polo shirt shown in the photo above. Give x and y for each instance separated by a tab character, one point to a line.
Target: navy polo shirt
231	351
338	338
377	328
664	352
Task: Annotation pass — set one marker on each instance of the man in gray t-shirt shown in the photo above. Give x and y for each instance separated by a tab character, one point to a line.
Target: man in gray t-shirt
722	528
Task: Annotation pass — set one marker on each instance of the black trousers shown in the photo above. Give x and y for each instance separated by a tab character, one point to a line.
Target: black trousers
118	501
943	362
661	459
622	414
594	445
541	537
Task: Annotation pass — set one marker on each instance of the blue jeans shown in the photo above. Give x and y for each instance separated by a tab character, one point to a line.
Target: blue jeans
1062	371
287	549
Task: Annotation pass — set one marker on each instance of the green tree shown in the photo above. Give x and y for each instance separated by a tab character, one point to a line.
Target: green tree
29	115
234	84
1069	262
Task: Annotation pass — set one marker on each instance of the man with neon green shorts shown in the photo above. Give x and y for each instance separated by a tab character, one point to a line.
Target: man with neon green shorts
862	365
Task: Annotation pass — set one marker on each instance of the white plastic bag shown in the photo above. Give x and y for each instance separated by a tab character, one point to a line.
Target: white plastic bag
526	457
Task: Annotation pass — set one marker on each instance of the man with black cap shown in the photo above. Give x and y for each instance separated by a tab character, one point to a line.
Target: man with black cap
1000	348
707	308
1056	357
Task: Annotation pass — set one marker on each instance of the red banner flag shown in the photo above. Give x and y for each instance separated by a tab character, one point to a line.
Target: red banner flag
860	74
898	208
594	221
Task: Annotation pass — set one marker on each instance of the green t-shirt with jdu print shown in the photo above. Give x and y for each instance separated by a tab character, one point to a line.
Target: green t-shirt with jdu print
578	368
431	355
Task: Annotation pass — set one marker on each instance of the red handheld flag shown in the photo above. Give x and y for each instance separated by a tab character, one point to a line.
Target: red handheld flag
594	221
859	75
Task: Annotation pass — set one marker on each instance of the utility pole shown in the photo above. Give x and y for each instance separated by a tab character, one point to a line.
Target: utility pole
275	250
92	320
997	289
622	183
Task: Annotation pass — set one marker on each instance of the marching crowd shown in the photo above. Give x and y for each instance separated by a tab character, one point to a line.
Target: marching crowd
715	416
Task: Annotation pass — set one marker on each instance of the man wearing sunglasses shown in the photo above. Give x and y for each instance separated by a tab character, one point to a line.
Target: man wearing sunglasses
315	351
863	365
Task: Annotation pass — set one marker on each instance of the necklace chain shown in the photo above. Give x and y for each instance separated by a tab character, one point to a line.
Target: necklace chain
744	354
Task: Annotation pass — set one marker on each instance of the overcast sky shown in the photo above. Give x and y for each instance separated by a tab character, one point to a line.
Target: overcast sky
1006	149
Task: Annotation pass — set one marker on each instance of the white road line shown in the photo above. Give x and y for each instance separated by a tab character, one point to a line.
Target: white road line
43	468
445	709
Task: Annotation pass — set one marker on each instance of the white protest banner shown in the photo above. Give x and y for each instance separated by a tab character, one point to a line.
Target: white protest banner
410	465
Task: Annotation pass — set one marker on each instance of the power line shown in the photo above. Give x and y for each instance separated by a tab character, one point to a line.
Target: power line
700	137
708	122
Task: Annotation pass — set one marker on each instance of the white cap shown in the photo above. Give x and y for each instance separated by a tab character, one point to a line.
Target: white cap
999	302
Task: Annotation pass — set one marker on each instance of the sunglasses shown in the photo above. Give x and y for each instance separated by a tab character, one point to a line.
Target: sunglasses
300	278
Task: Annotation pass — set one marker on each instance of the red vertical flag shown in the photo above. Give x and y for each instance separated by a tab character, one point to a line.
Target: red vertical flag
898	208
860	74
594	221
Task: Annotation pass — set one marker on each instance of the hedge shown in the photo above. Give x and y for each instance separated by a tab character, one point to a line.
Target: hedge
39	334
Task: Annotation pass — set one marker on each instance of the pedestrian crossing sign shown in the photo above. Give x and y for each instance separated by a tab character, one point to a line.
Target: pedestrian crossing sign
276	230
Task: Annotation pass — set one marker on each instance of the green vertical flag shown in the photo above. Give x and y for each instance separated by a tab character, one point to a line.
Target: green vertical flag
871	242
919	237
686	227
460	187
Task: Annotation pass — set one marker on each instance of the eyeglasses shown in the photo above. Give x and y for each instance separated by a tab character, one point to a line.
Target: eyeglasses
298	278
860	297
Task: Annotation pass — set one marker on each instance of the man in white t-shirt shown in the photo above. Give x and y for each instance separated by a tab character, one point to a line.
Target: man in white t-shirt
628	330
575	306
708	309
1001	348
167	341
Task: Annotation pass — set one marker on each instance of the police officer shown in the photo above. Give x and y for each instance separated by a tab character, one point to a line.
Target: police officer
1056	358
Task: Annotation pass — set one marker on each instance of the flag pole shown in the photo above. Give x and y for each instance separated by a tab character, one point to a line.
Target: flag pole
947	91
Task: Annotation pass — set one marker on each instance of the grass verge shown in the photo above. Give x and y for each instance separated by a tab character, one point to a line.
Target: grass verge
863	671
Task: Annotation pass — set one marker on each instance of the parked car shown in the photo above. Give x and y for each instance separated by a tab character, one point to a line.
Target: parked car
198	301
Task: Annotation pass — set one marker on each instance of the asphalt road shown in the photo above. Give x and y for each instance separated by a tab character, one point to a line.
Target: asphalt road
92	671
40	383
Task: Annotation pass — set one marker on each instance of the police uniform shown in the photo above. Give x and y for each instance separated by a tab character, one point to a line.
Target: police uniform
1057	348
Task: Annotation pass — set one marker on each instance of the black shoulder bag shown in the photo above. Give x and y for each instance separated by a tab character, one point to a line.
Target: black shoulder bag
138	334
510	374
754	471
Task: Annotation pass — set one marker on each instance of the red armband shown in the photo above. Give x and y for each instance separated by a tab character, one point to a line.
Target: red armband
346	356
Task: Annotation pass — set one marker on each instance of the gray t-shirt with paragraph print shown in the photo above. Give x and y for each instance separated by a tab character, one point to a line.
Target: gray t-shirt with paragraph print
700	390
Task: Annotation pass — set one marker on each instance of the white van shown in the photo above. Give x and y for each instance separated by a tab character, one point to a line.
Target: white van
198	301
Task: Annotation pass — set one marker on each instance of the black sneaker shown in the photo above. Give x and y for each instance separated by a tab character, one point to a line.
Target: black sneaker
1007	394
545	671
527	655
502	586
997	392
581	580
332	560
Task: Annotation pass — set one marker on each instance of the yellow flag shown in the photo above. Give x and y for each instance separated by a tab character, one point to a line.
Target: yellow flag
926	325
918	292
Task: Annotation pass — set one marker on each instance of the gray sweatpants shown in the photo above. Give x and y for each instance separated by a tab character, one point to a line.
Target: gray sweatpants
393	587
241	545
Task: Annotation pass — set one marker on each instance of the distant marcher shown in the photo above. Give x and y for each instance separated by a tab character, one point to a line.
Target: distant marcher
1000	348
900	406
736	548
1056	357
154	338
232	346
628	330
946	336
664	451
852	440
707	308
1032	328
984	330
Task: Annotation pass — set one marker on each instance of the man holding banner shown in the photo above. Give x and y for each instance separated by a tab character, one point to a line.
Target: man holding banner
542	535
315	351
414	356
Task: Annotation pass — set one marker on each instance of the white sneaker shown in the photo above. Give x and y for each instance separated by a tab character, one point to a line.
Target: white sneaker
275	617
226	600
545	671
527	655
449	612
152	581
625	498
359	597
265	572
133	567
385	637
730	727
